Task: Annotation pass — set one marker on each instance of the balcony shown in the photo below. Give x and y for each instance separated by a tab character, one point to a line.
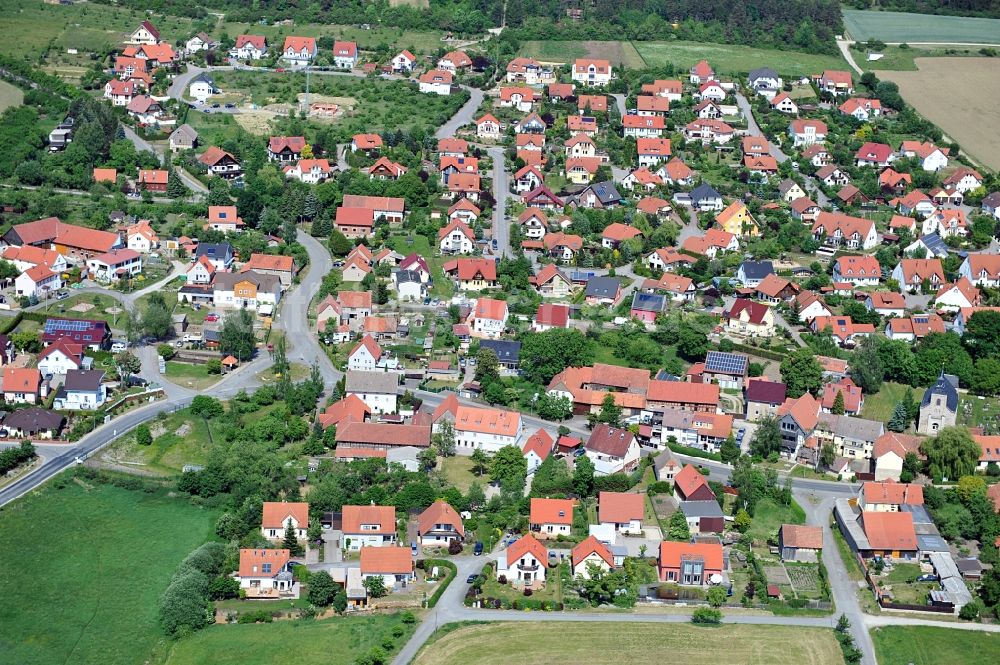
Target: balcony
528	567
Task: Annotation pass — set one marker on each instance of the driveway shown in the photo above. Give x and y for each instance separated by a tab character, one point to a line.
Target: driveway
464	116
331	546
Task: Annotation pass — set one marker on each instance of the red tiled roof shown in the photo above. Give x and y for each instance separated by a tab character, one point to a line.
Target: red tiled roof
591	545
439	512
551	511
276	514
672	553
527	545
620	507
689	480
382	517
889	531
252	562
386	560
908	494
805	537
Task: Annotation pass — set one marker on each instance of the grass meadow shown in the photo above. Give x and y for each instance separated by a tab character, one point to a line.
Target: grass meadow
570	643
732	59
86	567
924	645
924	28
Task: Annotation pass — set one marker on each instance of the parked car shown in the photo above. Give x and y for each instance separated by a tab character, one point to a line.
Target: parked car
211	318
471	579
477	550
137	381
118	346
230	105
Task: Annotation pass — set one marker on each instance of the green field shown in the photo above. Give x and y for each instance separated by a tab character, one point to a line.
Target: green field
571	643
621	54
730	59
10	95
27	27
923	645
85	569
901	27
880	405
417	41
903	59
179	439
336	641
87	306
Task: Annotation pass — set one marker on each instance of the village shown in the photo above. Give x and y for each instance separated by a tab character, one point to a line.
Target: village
577	338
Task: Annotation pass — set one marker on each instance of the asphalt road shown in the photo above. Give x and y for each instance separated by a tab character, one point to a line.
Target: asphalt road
501	190
465	115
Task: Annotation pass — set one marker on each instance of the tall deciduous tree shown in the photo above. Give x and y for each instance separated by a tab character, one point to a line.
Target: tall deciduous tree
951	454
766	438
802	373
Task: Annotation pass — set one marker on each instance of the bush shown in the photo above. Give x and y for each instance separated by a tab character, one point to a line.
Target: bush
257	616
455	547
407	617
322	589
660	487
183	604
429	564
166	351
706	615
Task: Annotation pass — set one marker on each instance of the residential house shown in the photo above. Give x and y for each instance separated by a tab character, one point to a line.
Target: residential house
265	572
749	318
782	103
520	98
61	357
153	180
616	233
955	297
115	265
752	273
836	82
612	450
368	526
598	195
220	163
369	144
913	328
810	305
92	334
963	180
436	81
709	130
703	516
439	525
797	418
183	138
589	555
861	108
652	151
464	211
701	72
37	282
454	61
603	290
534	223
728	370
930	157
675	172
221	254
550	518
550	282
691	564
854	398
652	105
844	330
456	238
249	47
278	516
22	385
886	303
393	564
643	126
736	219
911	274
981	269
591	72
472	274
34	423
832	176
839	229
773	289
704	197
523	562
537	448
202	87
765	81
146	33
890	451
858	270
489	318
249	290
621	511
480	428
763	398
805	132
298	51
345	55
550	316
379	390
141	237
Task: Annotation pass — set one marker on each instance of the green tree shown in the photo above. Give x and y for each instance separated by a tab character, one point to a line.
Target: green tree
127	364
340	602
678	529
692	344
237	337
610	413
444	439
375	586
706	615
583	476
911	467
742	521
290	541
204	406
900	419
279	358
716	596
339	244
802	373
982	334
509	468
156	321
730	450
480	461
143	436
487	365
322	589
545	354
766	438
953	453
838	404
827	455
986	376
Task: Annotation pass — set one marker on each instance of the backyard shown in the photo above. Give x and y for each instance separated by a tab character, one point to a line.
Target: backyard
769	516
85	306
337	641
924	645
442	286
87	592
879	406
621	54
632	642
457	471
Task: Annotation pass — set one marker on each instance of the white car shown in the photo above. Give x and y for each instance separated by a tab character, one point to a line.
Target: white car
118	347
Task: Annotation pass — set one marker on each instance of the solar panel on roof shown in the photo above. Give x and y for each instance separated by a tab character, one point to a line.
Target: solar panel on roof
730	363
66	325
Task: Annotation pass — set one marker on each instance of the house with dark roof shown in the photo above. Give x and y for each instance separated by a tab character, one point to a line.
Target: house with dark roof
603	290
34	423
939	406
82	390
752	273
728	370
612	450
705	197
508	353
221	254
763	398
603	195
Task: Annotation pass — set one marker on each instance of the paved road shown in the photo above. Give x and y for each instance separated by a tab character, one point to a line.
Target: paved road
620	102
776	152
501	190
464	116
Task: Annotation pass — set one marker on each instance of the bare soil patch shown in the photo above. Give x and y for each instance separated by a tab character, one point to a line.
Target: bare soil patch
255	122
959	95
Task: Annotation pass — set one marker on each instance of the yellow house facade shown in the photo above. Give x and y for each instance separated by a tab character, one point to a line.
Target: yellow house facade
736	219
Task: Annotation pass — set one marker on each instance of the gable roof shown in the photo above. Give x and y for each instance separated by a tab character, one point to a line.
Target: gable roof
689	480
252	562
591	545
526	545
800	536
551	511
620	507
393	560
770	392
382	516
673	553
540	443
439	512
890	531
276	514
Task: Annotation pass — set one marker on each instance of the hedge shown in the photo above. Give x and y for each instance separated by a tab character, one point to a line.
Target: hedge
694	452
428	564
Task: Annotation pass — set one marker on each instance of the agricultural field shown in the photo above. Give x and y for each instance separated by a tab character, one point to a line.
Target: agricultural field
924	645
621	54
957	94
578	642
10	95
338	641
904	59
88	580
29	27
418	41
897	27
732	59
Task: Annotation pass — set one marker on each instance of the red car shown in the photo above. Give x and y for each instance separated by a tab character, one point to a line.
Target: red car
211	318
280	69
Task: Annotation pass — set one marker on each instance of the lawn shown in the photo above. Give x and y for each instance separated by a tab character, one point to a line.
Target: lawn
190	375
10	95
880	405
614	643
731	59
86	591
769	516
901	27
84	306
924	645
338	641
552	590
457	471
